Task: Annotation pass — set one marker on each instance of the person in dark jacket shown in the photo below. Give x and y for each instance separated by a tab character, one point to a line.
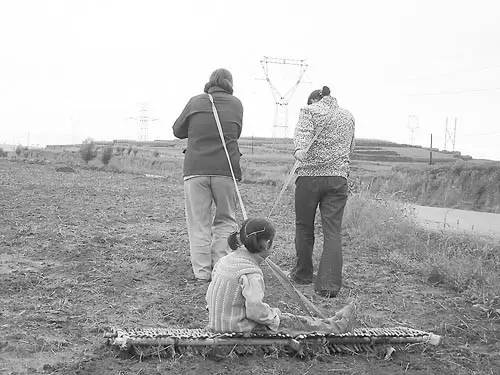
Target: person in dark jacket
210	196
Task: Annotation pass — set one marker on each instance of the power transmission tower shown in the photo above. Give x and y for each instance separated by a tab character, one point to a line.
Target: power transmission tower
412	127
143	121
280	126
449	134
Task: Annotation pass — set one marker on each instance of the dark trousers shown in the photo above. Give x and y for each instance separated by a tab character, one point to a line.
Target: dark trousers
330	193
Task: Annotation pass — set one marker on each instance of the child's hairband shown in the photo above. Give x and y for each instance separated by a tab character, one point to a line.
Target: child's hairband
257	231
251	234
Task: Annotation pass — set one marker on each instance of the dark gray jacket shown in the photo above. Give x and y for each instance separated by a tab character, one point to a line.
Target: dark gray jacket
205	154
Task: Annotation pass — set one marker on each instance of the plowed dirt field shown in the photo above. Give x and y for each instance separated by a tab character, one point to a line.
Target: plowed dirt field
82	251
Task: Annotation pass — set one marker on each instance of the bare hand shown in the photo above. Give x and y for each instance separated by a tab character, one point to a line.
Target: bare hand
300	155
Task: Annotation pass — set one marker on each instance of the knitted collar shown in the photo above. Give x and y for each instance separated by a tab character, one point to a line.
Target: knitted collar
255	258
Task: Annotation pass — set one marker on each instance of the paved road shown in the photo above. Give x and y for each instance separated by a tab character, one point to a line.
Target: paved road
482	223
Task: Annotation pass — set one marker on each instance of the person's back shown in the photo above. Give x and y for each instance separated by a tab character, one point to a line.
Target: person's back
324	139
235	294
204	153
208	180
329	155
225	301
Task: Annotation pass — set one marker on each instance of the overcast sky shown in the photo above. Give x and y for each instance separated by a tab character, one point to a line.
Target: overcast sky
75	69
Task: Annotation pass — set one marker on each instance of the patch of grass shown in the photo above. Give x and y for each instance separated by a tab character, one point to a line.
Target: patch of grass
463	185
144	164
465	263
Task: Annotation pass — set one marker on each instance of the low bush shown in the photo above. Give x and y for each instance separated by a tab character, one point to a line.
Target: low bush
19	150
88	150
106	155
3	154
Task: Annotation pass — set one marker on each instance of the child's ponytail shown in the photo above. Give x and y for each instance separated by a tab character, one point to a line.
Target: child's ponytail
234	240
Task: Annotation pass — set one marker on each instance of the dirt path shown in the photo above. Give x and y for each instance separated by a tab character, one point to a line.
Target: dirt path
82	251
482	223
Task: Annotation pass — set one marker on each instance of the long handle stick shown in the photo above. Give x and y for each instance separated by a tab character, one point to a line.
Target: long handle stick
306	305
291	175
221	135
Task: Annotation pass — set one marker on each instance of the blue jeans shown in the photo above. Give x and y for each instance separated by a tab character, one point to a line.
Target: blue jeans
330	193
211	217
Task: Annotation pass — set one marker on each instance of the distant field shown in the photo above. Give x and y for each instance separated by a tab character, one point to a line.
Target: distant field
376	165
366	149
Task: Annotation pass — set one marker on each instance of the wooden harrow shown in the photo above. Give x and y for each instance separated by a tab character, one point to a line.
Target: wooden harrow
175	340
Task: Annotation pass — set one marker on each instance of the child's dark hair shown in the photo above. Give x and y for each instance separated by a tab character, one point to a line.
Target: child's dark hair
255	234
318	94
221	78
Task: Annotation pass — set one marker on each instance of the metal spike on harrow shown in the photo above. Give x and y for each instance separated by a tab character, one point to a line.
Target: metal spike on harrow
357	341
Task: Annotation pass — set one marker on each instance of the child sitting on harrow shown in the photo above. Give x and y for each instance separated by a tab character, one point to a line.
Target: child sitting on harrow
235	294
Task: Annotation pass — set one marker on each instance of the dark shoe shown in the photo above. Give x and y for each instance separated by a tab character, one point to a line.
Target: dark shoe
326	293
292	278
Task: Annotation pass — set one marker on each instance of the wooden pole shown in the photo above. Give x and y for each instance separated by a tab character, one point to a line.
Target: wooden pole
445	132
454	133
309	307
430	152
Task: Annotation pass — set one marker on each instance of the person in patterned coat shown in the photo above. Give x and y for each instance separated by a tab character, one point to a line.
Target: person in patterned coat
322	181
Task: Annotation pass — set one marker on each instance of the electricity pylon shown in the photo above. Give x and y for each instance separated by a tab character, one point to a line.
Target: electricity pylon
143	121
280	126
412	127
450	135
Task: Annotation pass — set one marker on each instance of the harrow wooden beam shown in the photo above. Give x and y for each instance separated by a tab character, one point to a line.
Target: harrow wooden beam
359	340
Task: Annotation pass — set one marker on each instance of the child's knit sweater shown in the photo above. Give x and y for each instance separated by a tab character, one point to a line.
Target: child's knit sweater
234	296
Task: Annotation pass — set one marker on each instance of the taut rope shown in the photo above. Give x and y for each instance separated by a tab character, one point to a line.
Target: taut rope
307	305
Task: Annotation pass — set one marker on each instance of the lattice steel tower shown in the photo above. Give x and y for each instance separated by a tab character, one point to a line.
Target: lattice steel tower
280	126
143	121
412	127
450	134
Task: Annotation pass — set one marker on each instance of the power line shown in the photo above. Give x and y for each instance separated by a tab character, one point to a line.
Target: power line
447	74
465	91
480	134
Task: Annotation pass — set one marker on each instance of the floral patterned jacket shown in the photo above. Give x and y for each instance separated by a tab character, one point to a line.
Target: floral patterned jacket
329	155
